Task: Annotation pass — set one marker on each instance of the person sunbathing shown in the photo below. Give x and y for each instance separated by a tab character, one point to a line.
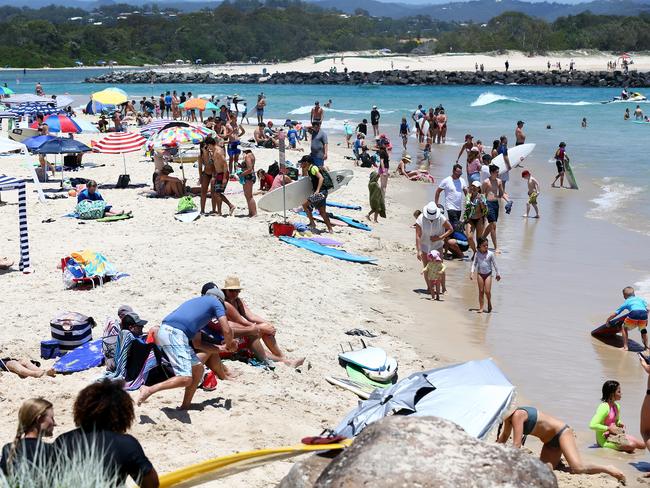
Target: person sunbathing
255	325
169	186
24	368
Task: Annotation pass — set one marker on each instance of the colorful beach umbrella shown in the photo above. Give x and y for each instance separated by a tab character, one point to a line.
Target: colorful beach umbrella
110	96
5	90
119	143
198	104
155	126
59	123
179	136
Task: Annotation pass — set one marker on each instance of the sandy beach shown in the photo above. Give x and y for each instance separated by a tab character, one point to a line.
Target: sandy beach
367	61
312	300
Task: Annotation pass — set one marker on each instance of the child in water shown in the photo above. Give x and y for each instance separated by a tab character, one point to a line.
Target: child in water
637	316
434	272
483	264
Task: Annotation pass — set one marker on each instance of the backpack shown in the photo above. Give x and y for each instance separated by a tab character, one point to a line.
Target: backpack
91	210
186	204
327	179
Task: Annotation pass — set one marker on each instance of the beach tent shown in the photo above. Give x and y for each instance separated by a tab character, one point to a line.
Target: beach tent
9	183
474	395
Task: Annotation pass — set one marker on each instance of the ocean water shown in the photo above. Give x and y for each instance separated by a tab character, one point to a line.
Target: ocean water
611	153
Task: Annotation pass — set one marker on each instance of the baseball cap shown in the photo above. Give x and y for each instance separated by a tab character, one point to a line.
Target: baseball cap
477	184
131	319
123	310
211	288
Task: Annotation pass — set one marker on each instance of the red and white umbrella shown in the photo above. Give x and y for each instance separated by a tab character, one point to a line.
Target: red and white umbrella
119	143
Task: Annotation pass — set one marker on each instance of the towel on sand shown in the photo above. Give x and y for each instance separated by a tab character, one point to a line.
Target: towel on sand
377	203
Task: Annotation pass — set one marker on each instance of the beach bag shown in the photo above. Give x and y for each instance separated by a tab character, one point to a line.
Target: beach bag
327	179
274	169
186	204
123	181
71	330
91	210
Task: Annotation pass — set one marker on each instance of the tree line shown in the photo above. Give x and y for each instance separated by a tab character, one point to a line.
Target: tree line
245	30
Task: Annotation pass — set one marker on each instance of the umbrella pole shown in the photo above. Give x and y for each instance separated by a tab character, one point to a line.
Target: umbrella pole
124	162
282	163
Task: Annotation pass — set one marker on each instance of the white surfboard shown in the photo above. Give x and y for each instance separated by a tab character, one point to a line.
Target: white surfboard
516	155
190	216
297	192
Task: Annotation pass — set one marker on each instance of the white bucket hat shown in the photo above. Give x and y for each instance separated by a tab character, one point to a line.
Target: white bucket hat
431	211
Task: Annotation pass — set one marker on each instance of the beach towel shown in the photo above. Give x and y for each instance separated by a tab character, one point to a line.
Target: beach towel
94	263
376	196
109	342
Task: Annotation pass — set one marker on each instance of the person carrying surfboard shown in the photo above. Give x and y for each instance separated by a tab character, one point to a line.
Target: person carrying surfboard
637	316
321	182
560	160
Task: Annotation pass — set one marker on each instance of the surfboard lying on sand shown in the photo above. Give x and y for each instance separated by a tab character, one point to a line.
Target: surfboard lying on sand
349	221
296	193
86	356
359	389
190	216
326	251
343	205
516	155
115	218
223	466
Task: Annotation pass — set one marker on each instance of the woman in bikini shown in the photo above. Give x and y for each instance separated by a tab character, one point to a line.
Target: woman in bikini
441	121
433	126
557	437
207	170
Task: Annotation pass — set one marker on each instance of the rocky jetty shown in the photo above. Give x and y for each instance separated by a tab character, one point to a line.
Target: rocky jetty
395	77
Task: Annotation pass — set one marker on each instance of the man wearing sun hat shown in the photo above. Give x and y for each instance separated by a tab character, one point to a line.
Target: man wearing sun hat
174	336
431	230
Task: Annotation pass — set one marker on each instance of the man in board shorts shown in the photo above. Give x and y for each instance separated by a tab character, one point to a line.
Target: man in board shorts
637	316
174	335
493	190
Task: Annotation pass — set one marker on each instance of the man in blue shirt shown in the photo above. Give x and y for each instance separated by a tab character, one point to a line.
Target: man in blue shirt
176	332
637	315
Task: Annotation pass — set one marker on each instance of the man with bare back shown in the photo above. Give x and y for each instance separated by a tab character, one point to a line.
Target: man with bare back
220	179
493	190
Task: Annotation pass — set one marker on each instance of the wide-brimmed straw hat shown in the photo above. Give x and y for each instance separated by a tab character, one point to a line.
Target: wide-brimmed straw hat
231	283
407	158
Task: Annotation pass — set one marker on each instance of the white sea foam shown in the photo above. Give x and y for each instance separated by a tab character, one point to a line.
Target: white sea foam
642	288
489	98
614	196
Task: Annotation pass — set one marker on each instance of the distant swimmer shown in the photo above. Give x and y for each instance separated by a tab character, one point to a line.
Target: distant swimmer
626	116
328	104
637	316
584	123
558	439
520	135
638	113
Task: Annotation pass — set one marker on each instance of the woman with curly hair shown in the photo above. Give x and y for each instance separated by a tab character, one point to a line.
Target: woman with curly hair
35	420
103	412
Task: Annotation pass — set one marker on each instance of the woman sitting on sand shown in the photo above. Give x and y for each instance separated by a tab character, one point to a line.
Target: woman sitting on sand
557	437
90	194
607	421
24	368
35	420
266	331
168	186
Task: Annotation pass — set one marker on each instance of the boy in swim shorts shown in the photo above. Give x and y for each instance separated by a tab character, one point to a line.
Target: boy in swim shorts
533	193
637	316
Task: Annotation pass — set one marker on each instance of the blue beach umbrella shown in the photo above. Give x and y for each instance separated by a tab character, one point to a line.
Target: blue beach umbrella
35	142
61	145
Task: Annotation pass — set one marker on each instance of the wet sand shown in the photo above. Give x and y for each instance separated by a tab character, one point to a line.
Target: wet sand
562	276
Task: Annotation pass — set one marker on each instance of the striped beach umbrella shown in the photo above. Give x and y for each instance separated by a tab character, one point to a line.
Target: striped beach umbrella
35	108
59	123
179	136
119	143
154	126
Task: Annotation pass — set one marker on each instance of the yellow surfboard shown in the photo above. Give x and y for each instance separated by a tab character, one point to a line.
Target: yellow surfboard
223	466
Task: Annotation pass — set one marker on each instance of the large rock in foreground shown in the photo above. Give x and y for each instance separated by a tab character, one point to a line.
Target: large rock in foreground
424	452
